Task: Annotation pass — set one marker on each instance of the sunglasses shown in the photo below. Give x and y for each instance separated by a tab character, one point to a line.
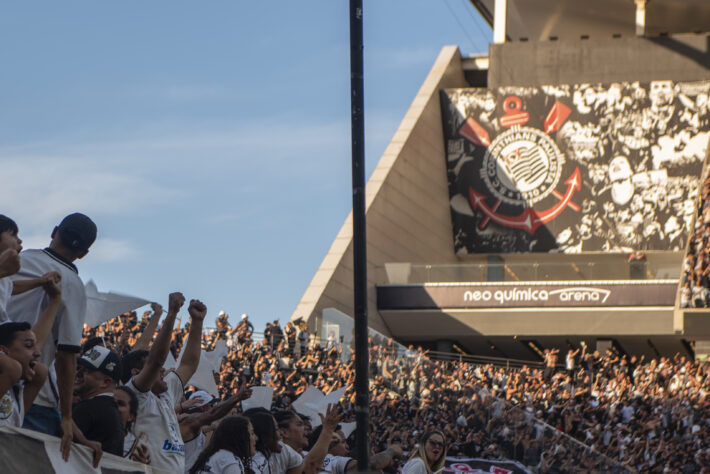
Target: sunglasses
438	444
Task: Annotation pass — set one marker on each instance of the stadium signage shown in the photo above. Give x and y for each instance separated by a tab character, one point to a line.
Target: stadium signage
530	294
573	168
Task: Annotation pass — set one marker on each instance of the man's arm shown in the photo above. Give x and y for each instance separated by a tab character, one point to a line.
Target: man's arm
65	364
161	347
147	335
20	286
44	323
313	461
191	349
192	424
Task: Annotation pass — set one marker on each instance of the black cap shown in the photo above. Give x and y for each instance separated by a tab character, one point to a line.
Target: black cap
77	231
102	359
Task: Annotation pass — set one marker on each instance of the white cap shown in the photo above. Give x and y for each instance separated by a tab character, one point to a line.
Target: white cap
245	315
222	313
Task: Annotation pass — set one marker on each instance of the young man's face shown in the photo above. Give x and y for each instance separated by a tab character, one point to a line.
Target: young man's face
24	350
294	434
10	240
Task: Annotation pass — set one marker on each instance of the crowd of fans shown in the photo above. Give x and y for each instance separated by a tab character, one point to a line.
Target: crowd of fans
695	284
594	412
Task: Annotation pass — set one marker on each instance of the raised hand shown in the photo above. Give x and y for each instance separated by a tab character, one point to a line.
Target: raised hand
332	417
175	302
157	308
197	310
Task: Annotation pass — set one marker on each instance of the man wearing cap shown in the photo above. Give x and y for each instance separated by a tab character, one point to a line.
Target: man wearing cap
71	240
96	414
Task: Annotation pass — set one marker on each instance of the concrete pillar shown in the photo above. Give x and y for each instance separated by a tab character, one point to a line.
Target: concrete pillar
499	20
640	17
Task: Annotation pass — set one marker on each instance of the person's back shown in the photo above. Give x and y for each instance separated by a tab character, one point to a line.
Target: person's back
70	241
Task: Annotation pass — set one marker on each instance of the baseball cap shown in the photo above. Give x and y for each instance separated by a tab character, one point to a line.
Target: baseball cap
102	359
245	315
77	231
204	396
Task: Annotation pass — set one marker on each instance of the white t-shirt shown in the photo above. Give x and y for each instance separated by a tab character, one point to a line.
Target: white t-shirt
157	419
12	410
5	294
193	448
278	463
69	322
223	462
414	466
335	464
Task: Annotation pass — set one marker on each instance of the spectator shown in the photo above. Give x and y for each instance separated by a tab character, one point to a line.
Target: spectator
230	450
429	456
71	241
97	414
157	394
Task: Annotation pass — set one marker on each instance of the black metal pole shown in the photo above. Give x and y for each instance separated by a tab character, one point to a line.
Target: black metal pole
357	110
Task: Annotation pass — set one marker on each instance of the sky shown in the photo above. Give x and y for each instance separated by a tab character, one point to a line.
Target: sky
209	141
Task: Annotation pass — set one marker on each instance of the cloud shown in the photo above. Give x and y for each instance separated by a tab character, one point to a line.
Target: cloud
41	189
107	250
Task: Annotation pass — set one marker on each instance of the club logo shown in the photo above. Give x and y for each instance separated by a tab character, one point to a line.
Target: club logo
521	166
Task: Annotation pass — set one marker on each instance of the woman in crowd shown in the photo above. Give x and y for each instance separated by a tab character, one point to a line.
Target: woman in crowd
127	403
267	446
230	450
429	457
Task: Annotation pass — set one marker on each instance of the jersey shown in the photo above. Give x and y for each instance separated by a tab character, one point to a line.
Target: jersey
414	466
223	462
193	448
335	464
5	294
69	322
157	419
12	407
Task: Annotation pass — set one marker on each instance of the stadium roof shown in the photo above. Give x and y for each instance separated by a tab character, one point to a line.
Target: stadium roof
536	20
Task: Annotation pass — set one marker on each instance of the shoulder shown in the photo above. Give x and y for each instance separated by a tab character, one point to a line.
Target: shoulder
414	466
223	459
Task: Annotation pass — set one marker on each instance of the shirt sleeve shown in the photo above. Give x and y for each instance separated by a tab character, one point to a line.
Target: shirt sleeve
73	314
292	458
175	387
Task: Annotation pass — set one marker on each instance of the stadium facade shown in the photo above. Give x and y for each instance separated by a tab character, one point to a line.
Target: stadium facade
541	195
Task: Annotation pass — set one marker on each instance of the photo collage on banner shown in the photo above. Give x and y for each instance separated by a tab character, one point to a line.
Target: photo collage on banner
575	168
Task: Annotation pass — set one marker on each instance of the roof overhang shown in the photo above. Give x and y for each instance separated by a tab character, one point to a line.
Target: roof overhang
571	19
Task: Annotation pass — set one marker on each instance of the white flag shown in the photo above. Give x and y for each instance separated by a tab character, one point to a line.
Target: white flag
100	307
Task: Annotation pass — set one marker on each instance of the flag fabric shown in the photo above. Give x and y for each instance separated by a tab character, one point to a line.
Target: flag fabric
100	307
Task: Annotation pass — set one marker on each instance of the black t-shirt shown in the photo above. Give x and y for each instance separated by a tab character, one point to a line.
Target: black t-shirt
98	418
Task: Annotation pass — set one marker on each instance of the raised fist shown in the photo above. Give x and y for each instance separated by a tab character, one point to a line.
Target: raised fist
197	309
157	308
9	263
175	302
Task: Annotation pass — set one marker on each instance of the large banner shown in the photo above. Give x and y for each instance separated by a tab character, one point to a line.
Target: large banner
575	168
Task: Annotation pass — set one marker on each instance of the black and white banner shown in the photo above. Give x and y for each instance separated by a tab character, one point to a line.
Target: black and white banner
476	465
575	168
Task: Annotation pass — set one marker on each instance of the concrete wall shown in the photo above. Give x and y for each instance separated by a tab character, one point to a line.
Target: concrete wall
407	199
678	58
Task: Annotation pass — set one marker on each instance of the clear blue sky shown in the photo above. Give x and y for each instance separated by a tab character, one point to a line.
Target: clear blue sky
210	141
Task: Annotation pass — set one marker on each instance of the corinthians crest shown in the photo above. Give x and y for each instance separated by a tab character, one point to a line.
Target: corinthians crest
521	166
550	169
